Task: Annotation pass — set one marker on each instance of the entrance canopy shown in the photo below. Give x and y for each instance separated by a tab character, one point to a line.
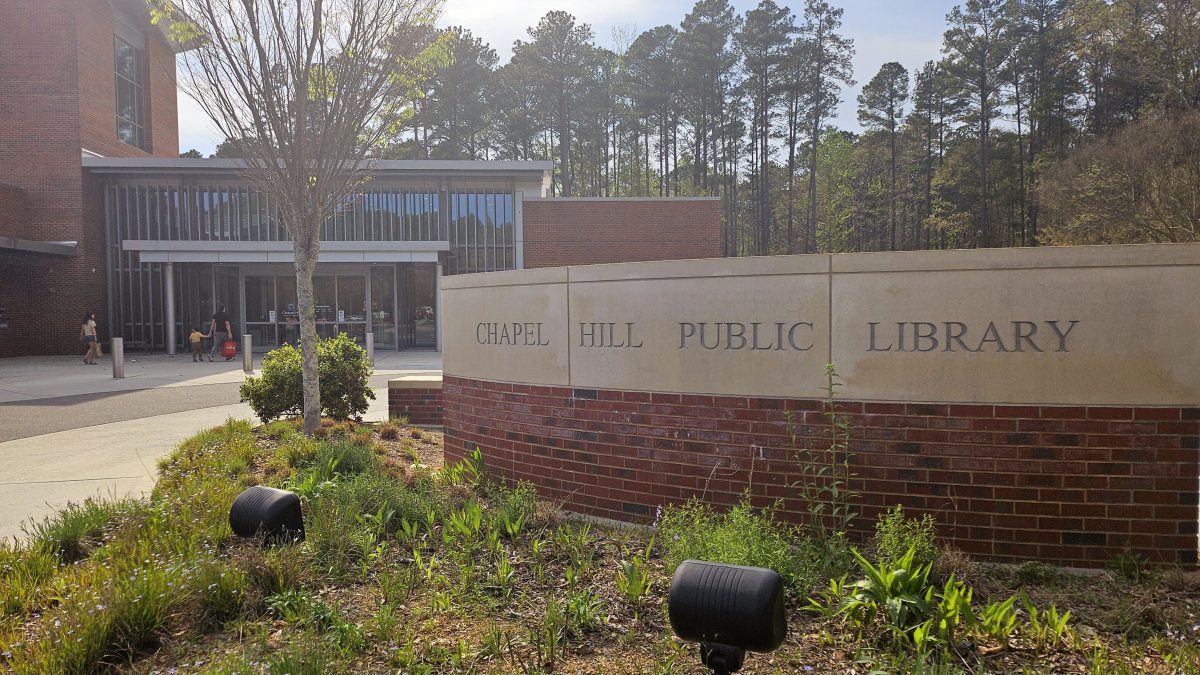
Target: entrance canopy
163	251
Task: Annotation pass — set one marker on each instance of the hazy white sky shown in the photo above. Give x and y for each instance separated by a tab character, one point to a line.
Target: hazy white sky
908	31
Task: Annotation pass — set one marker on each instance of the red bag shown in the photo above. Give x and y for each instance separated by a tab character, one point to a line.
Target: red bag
229	349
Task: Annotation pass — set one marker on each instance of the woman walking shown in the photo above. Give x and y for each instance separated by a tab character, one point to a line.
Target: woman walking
87	332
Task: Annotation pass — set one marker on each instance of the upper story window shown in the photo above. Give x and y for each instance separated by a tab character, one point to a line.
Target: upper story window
130	76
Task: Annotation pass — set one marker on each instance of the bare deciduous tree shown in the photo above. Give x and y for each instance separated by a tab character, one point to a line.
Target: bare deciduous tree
310	88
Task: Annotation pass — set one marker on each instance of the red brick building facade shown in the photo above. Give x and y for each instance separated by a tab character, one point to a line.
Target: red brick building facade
583	231
57	64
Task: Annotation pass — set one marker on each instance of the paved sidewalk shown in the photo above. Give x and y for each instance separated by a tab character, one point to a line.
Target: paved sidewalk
106	435
39	377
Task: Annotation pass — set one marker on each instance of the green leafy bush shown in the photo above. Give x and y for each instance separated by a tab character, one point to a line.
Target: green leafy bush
343	370
895	535
743	536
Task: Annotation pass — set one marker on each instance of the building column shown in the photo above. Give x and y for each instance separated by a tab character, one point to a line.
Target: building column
437	305
519	230
169	296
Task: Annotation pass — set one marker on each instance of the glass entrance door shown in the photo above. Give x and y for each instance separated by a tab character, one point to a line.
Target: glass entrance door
341	302
418	290
383	306
261	310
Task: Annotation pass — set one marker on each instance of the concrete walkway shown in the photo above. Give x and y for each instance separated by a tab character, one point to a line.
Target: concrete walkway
69	431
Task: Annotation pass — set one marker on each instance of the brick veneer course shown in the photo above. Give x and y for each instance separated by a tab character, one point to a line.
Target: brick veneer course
590	231
14	211
1069	485
420	406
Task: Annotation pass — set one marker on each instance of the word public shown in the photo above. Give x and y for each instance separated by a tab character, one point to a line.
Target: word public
754	336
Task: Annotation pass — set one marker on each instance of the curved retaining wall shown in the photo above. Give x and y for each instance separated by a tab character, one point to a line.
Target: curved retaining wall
1056	418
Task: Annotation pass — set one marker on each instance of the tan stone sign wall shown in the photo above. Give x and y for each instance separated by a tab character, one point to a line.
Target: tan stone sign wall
1111	325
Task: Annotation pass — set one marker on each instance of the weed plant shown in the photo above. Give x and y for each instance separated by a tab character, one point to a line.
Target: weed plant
742	536
826	480
895	535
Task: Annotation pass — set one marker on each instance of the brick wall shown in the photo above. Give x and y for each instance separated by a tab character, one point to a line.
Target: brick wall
98	98
420	406
588	231
56	72
14	211
44	314
1070	485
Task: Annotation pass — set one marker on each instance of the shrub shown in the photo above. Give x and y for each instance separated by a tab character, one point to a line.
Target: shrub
743	536
895	535
343	371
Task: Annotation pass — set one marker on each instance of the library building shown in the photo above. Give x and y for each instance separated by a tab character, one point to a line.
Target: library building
98	213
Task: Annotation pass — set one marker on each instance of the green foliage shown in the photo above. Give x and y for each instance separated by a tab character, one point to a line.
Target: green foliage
221	591
825	484
914	616
895	535
1129	565
1046	628
79	527
23	570
743	536
1032	572
633	576
585	612
344	372
512	509
999	619
468	471
900	594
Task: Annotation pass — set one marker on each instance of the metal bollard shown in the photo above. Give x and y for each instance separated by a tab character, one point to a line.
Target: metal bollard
116	349
371	348
248	353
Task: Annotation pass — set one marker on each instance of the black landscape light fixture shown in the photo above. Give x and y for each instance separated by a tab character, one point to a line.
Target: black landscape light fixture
728	609
274	513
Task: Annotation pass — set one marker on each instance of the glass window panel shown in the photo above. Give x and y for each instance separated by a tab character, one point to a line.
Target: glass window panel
126	59
127	65
289	313
260	298
352	297
324	295
383	305
422	302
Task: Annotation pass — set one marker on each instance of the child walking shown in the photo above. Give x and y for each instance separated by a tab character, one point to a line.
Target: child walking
196	337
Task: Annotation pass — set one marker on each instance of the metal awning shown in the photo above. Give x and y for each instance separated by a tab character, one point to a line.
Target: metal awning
159	251
35	246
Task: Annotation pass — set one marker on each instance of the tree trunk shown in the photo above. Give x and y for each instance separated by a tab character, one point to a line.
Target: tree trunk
305	259
564	145
893	191
811	245
1020	158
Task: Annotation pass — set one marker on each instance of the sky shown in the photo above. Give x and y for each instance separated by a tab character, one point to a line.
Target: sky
908	31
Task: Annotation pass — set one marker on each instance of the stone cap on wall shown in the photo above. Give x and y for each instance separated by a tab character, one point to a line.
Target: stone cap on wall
1090	325
416	382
